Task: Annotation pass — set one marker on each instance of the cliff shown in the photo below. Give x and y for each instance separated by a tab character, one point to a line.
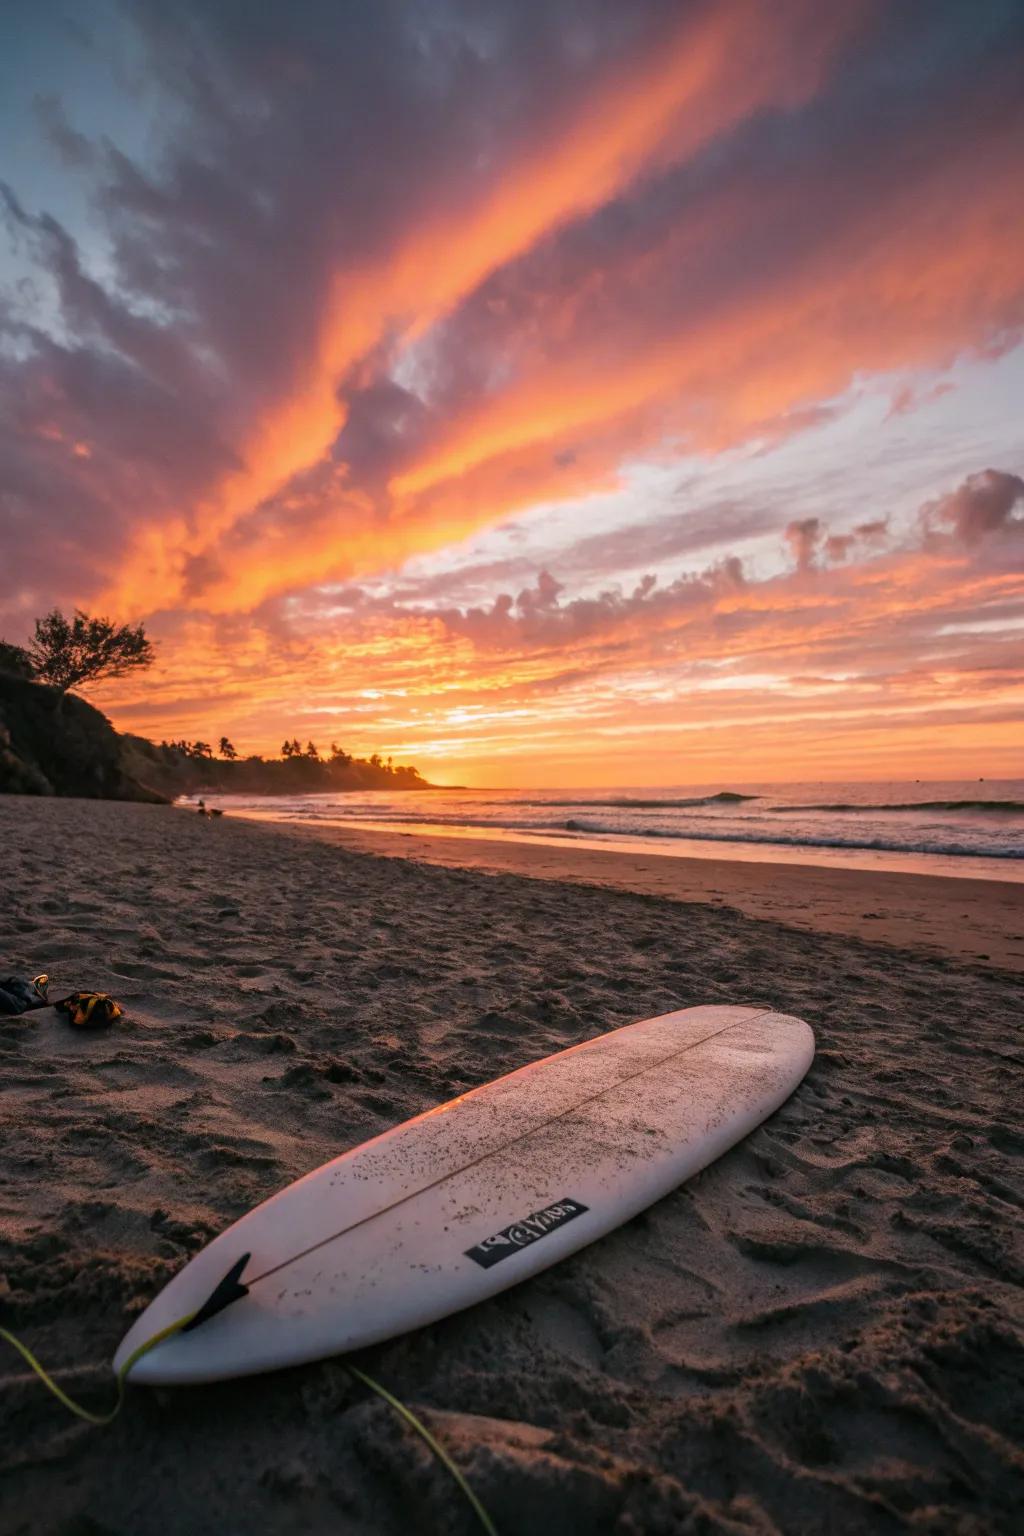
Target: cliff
57	744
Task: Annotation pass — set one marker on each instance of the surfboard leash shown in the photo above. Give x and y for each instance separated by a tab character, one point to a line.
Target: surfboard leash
232	1288
430	1442
103	1419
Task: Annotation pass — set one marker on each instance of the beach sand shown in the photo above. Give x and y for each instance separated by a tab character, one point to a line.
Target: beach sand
977	920
821	1333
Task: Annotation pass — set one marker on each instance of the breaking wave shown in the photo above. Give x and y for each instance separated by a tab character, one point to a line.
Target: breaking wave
634	803
803	840
998	807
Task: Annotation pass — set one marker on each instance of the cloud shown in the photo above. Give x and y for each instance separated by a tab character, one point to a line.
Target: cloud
839	546
73	148
535	617
983	505
803	537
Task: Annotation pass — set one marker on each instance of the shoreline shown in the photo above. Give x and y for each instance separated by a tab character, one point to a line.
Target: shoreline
1002	868
972	920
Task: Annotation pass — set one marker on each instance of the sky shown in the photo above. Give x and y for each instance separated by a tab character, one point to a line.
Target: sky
562	393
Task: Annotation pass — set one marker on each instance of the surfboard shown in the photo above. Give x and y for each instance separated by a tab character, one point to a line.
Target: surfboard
474	1196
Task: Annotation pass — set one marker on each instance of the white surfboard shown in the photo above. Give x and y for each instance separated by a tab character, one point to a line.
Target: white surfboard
476	1195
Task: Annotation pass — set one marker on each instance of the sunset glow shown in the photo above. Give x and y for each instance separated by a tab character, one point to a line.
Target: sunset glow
628	396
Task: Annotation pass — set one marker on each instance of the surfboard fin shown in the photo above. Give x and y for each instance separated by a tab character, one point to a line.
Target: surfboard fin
230	1289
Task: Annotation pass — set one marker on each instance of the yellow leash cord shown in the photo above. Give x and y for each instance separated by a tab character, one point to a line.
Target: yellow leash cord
432	1444
102	1419
69	1403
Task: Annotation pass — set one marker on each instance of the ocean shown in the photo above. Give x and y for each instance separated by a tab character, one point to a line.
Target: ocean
951	827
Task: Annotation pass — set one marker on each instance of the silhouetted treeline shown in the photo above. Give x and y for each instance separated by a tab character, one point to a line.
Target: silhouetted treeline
190	767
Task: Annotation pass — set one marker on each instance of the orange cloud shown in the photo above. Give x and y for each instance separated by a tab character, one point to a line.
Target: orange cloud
721	66
887	289
902	294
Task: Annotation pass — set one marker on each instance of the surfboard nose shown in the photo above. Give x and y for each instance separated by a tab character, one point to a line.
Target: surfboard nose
228	1290
179	1359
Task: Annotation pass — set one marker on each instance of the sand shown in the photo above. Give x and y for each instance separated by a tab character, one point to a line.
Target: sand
977	920
823	1332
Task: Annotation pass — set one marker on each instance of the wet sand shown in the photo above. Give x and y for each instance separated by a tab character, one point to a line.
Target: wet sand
822	1332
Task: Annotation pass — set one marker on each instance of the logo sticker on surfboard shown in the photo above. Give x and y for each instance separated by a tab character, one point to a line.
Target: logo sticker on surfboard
522	1233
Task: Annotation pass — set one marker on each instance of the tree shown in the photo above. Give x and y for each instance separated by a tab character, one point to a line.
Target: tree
68	652
227	750
286	749
15	660
311	752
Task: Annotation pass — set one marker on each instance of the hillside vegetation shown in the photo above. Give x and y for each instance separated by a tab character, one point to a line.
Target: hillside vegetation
55	743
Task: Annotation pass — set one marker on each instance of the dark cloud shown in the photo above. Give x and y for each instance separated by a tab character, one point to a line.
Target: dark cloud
73	148
804	536
90	446
384	425
96	318
839	546
983	505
